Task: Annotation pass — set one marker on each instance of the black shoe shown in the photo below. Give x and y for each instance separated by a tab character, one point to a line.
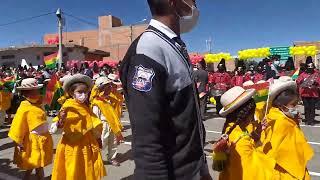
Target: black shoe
316	122
310	123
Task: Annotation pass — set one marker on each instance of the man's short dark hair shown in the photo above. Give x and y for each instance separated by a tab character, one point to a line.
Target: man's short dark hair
158	7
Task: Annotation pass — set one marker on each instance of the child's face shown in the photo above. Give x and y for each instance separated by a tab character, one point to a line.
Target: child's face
34	96
107	89
293	103
80	93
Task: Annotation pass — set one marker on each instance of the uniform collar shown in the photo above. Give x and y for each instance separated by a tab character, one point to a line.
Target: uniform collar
163	28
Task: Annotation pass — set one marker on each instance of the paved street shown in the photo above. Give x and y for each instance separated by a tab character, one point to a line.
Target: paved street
213	126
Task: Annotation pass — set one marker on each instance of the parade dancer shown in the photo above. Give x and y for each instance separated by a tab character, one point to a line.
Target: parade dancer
289	68
261	72
221	83
309	82
78	153
110	120
29	131
239	78
284	140
244	161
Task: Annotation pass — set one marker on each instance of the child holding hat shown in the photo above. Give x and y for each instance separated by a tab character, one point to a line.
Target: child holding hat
78	153
107	114
285	141
244	160
29	130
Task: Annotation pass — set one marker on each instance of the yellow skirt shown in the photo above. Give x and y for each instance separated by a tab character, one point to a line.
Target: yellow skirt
79	159
38	152
281	174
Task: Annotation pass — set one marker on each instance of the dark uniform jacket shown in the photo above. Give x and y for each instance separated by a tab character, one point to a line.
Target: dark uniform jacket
168	134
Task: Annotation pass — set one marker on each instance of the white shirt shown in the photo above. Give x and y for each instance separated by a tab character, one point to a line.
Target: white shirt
163	28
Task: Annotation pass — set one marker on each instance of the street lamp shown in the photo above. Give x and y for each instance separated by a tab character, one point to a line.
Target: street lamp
60	26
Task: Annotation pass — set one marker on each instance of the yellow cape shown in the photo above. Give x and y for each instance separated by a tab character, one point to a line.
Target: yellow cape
285	142
5	100
78	154
245	162
110	114
38	149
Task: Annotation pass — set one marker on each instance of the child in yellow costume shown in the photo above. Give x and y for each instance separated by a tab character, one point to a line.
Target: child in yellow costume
116	97
107	114
78	153
244	161
5	103
285	141
29	130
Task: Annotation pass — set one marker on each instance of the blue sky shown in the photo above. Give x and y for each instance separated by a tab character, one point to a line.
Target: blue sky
232	24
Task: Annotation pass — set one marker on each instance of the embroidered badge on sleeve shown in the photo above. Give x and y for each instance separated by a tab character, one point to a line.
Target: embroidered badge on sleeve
142	79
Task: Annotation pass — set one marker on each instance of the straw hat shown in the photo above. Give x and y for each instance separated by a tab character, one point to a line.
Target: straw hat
114	78
102	81
280	85
63	79
77	78
234	98
248	83
29	84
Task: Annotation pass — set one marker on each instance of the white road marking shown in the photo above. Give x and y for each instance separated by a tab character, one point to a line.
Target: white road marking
217	132
303	125
314	143
314	173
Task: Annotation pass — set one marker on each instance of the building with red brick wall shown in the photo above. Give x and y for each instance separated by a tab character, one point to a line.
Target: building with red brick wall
111	36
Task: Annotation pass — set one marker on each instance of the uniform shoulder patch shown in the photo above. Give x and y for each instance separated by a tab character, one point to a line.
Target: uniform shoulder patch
142	79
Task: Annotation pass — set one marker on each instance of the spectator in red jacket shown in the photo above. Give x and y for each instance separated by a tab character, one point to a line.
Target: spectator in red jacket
308	83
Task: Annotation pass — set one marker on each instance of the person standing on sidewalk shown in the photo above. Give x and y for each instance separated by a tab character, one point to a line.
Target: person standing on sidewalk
162	98
201	78
308	83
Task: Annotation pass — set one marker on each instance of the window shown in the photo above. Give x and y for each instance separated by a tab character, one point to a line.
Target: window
38	57
8	57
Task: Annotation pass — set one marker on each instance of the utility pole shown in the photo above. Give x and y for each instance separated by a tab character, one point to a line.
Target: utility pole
60	26
209	44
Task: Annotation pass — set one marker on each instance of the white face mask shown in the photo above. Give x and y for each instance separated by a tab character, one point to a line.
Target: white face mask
292	112
187	23
81	97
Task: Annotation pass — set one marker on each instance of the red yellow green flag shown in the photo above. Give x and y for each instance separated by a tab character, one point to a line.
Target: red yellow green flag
296	75
51	60
53	89
8	83
262	91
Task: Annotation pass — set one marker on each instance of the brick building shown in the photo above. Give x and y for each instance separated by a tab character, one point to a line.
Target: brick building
12	56
111	36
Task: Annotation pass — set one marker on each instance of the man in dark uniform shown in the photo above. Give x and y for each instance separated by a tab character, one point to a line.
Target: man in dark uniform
201	78
162	99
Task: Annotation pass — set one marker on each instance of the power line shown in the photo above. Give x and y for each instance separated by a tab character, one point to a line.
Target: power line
25	19
81	20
